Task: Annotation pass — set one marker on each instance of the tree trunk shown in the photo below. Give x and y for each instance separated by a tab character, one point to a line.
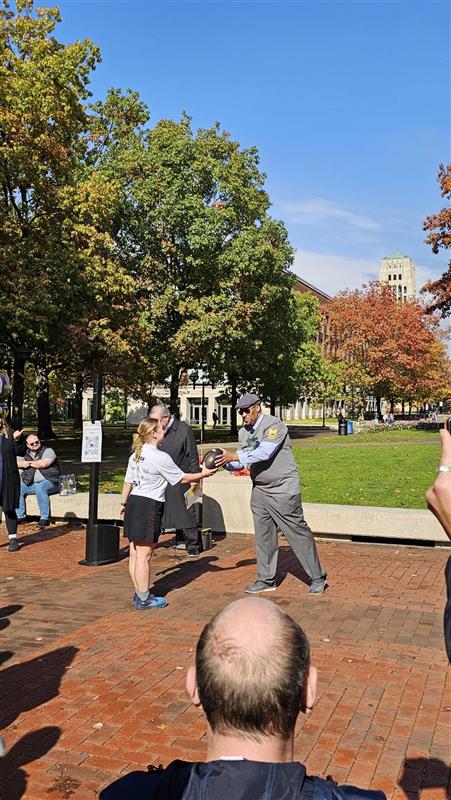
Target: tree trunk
45	430
403	407
378	406
234	398
174	397
280	409
78	404
125	408
272	406
18	390
410	408
9	401
324	414
392	405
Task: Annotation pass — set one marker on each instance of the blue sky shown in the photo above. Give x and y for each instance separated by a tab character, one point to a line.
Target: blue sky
347	102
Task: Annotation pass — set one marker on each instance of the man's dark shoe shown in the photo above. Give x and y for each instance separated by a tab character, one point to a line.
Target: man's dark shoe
317	586
13	545
260	586
21	520
193	552
43	523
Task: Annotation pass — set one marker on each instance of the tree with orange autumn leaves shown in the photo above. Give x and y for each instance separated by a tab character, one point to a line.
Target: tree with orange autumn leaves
439	226
398	347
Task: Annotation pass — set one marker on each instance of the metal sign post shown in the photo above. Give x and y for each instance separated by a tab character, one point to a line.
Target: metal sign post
102	541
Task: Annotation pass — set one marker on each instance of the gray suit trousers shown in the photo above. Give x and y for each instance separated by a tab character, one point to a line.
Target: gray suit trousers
285	512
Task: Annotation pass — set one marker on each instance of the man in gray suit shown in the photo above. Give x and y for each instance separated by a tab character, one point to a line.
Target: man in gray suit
265	448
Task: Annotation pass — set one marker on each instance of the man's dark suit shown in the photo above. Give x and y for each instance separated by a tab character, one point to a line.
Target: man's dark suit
180	444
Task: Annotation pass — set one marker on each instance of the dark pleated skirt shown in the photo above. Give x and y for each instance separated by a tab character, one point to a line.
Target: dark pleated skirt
142	521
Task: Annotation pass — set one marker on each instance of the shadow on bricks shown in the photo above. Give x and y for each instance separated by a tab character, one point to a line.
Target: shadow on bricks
422	773
185	572
29	748
42	535
30	684
6	612
288	564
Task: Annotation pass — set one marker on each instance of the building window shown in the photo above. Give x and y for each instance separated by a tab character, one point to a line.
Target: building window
400	277
389	277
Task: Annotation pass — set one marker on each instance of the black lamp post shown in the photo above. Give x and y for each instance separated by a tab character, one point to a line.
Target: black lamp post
102	540
194	378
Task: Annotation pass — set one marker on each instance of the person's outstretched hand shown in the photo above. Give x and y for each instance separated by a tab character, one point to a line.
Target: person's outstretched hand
439	495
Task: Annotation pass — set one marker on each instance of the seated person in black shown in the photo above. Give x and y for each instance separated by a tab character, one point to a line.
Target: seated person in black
252	678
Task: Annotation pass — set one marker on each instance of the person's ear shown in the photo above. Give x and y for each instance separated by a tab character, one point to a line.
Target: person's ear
191	686
310	689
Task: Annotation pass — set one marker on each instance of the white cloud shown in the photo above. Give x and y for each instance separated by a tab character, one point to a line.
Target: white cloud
316	210
331	273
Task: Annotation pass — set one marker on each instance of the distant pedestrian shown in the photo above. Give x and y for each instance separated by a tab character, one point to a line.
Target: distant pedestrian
10	447
215	419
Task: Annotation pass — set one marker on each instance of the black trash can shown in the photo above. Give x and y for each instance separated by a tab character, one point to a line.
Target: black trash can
204	539
343	427
102	545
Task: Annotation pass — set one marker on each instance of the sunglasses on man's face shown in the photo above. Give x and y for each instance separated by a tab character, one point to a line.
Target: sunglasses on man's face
36	441
244	410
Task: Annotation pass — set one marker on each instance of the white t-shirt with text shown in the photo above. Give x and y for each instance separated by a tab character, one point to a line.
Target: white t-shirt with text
152	473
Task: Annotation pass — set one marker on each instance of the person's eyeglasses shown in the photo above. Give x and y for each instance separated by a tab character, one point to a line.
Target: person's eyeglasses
244	411
33	443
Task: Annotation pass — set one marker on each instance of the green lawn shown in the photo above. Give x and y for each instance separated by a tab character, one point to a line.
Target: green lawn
395	476
387	468
383	436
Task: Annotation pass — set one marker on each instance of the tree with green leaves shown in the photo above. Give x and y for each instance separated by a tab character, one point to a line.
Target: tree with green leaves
209	264
43	87
325	382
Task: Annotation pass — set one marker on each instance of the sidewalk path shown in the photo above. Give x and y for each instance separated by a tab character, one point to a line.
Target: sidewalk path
92	689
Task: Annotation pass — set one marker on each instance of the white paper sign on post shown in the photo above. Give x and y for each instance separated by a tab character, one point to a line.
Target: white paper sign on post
91	447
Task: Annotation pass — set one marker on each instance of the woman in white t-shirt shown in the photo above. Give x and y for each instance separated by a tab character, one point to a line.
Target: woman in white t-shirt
148	473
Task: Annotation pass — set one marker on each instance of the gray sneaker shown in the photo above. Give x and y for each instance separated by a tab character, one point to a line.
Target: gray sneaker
260	586
318	586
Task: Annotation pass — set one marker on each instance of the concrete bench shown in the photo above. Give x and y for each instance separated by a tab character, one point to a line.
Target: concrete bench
226	508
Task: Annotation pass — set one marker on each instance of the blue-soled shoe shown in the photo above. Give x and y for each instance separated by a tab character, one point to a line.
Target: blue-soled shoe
149	603
260	586
317	586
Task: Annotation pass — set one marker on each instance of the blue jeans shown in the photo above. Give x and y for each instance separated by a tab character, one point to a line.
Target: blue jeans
42	490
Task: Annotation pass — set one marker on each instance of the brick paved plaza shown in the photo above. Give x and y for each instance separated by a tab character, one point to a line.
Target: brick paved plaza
92	689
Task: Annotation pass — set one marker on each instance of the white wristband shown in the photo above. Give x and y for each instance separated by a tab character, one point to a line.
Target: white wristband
443	468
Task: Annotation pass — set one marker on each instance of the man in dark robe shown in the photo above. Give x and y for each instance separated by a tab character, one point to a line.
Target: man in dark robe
180	444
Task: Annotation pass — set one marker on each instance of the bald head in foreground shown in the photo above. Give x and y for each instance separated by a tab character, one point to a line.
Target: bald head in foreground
252	677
